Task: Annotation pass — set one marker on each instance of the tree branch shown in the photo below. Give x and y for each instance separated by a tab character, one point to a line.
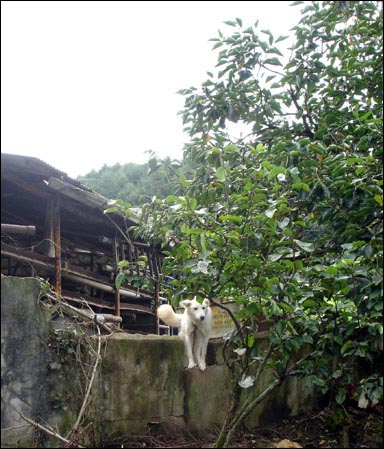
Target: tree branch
46	430
298	107
86	398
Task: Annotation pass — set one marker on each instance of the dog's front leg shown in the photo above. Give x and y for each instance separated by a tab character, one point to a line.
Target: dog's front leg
189	347
201	350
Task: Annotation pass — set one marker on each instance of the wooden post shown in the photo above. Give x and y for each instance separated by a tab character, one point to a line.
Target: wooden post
117	303
157	303
116	260
48	246
57	244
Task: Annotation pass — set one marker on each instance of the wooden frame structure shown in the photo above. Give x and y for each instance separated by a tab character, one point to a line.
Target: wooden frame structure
55	228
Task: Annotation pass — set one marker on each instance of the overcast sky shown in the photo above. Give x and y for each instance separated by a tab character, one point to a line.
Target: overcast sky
87	83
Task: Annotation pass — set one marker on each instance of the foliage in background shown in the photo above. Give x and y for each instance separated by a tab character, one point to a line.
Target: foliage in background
287	221
133	183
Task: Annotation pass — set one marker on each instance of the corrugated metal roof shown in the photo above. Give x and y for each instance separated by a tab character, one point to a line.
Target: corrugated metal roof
27	166
34	165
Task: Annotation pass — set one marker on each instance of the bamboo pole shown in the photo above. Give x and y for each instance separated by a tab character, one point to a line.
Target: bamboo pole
18	229
103	287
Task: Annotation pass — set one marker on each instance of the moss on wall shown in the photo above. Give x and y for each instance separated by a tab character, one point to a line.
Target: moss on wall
141	381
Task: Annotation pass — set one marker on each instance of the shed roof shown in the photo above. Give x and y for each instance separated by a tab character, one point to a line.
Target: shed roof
29	166
32	171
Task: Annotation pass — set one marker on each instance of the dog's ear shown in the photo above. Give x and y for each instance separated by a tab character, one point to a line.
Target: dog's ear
186	303
206	302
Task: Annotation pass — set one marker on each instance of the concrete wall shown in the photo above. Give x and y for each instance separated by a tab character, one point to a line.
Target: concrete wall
141	384
24	359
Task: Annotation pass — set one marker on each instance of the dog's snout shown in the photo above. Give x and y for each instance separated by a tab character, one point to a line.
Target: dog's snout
202	317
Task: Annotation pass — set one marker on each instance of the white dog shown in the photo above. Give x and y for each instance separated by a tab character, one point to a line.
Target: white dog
194	328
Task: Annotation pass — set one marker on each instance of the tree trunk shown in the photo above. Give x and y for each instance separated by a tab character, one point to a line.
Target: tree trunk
239	411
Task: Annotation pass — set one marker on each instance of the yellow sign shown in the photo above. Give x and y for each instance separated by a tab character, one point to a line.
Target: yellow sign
221	320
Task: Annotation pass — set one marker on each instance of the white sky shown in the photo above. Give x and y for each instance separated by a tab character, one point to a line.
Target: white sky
88	83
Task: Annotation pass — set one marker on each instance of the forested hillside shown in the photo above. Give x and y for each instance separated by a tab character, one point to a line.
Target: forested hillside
133	183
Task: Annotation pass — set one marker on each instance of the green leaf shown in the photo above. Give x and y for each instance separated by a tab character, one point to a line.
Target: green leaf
306	246
275	257
276	171
276	51
264	45
184	181
230	23
301	186
281	38
239	21
220	174
217	45
119	279
112	210
341	395
275	105
231	148
272	61
332	270
231	218
202	244
309	303
174	199
192	203
379	199
345	350
269	34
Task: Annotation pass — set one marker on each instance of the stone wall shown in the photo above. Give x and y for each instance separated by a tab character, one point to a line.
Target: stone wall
141	384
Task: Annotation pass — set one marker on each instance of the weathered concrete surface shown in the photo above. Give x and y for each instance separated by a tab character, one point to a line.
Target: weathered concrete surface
141	383
208	397
24	329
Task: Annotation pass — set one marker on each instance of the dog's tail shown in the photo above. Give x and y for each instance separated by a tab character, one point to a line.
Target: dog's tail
166	313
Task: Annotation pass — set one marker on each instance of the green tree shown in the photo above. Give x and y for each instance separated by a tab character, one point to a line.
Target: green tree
288	220
134	183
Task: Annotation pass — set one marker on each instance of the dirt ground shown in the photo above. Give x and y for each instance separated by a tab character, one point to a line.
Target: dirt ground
333	427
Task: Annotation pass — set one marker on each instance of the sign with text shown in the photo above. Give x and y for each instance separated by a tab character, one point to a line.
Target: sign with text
221	321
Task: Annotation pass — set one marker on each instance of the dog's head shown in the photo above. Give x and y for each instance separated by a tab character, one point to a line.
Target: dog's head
197	311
